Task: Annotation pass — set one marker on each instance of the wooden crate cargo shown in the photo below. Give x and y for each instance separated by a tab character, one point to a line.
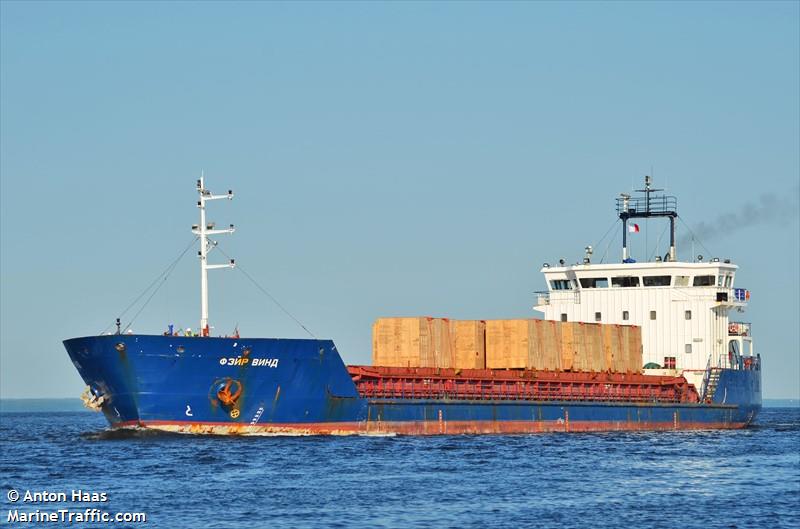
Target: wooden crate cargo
440	353
468	343
593	344
616	358
536	349
579	360
523	344
600	347
567	349
548	337
412	342
544	349
638	353
623	348
632	345
400	342
507	344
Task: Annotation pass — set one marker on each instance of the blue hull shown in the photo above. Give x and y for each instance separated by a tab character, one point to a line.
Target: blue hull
287	386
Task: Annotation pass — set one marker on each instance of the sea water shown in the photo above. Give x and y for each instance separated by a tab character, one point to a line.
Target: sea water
683	479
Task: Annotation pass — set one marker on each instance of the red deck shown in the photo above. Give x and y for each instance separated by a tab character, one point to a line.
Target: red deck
488	384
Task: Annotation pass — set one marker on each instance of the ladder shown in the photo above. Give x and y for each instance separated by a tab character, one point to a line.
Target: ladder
711	382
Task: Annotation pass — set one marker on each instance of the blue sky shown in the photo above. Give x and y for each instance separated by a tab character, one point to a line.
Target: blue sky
388	159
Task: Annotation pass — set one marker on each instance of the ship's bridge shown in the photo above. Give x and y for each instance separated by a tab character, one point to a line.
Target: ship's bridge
713	279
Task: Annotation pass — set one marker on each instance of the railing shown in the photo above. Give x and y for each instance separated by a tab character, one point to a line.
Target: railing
542	297
425	383
750	363
558	296
734	361
657	205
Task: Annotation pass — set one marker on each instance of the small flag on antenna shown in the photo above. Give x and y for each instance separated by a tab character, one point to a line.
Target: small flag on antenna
633	228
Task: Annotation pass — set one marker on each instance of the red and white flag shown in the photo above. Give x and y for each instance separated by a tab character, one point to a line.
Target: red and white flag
633	228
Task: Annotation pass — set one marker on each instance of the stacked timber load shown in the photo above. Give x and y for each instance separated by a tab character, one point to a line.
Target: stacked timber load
563	346
582	347
525	344
615	358
633	347
506	344
623	348
469	343
412	342
601	347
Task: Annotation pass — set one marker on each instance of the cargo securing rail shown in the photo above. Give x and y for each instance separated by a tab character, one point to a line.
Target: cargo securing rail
488	384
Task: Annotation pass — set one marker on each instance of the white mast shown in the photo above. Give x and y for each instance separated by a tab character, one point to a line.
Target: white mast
203	230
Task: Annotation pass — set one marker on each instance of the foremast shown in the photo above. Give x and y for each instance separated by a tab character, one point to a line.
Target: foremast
203	231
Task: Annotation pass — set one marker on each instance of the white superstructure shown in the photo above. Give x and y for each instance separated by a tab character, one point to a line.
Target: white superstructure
683	308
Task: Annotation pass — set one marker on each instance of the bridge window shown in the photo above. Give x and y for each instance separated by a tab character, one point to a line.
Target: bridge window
625	281
688	348
563	317
720	280
687	315
703	281
598	316
625	315
669	362
652	314
594	282
656	281
728	281
560	284
681	281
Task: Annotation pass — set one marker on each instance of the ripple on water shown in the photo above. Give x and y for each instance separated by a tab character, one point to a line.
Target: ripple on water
706	479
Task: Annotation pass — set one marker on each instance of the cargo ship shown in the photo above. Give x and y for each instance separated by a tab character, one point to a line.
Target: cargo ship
621	346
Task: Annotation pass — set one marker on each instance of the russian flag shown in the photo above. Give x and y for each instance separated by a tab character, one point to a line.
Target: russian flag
633	228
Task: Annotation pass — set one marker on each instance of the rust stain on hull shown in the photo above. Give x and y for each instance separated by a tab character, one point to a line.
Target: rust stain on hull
434	427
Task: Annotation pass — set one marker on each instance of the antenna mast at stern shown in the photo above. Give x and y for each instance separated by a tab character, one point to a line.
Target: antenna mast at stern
203	230
630	207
